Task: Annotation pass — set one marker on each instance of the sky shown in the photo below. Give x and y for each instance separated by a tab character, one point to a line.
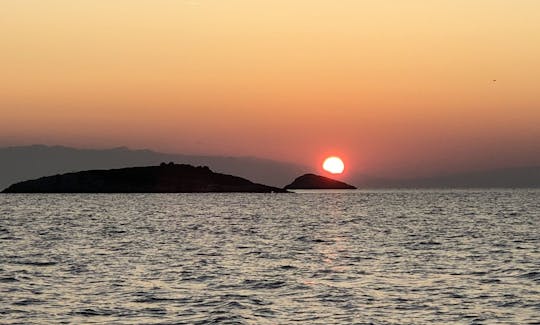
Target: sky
396	88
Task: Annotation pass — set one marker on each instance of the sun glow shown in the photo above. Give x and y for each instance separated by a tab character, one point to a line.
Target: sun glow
333	165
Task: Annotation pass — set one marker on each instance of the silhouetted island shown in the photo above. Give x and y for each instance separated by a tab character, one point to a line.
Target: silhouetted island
315	182
166	178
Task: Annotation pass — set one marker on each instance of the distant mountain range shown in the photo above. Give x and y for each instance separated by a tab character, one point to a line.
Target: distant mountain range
517	177
30	162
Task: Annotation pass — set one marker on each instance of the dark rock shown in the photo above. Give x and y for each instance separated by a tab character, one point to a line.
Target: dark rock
313	182
166	178
19	164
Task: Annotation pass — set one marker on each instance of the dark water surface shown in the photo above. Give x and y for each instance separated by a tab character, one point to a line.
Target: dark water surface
381	257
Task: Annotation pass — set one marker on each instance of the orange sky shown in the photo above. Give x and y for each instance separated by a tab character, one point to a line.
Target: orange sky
396	87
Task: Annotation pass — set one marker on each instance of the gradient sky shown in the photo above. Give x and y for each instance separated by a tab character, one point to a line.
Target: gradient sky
396	88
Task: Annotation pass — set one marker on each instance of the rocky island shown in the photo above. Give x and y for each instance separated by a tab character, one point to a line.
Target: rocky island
317	182
166	178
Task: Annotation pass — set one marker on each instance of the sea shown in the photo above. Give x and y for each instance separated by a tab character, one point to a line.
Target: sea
311	257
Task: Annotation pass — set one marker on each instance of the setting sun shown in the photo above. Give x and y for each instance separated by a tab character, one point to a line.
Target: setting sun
333	165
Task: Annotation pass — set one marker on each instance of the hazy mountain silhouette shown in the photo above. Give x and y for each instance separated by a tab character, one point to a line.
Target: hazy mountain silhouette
29	162
517	177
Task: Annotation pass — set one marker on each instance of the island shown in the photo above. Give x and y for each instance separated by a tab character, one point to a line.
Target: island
317	182
166	178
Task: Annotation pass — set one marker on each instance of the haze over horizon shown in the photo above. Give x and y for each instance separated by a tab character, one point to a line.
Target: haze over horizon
410	88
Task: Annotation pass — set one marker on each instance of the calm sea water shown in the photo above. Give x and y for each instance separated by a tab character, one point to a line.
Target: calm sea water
365	257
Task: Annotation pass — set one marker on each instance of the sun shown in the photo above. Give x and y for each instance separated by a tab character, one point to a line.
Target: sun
333	165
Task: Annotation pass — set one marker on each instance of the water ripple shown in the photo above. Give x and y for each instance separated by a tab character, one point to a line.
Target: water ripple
380	257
